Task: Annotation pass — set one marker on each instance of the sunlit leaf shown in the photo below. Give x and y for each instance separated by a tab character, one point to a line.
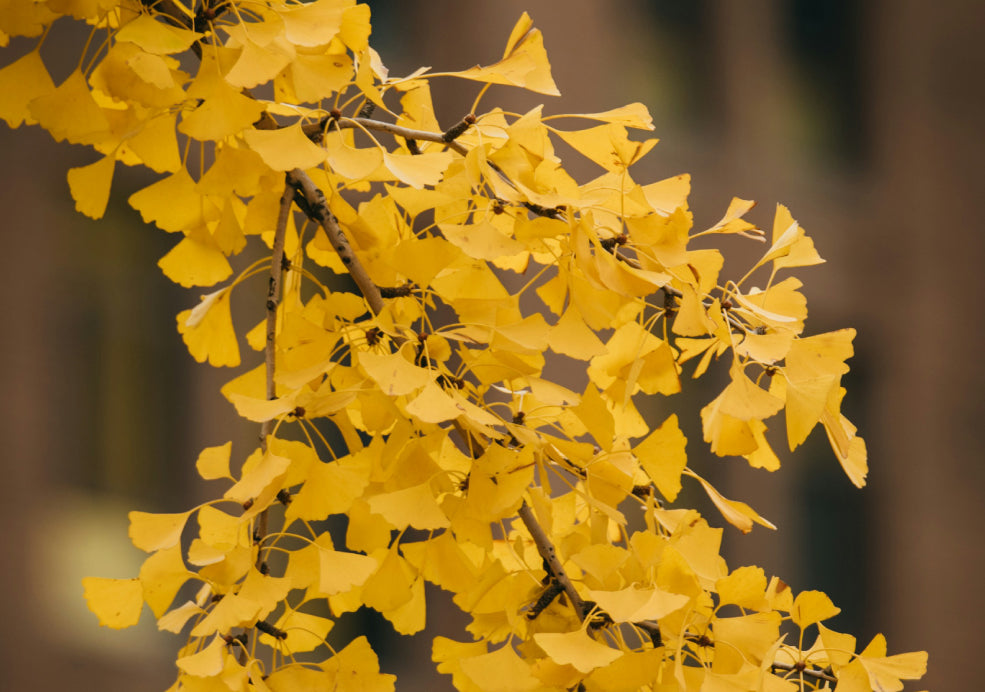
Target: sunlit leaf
577	649
116	602
285	149
159	37
90	186
153	532
21	82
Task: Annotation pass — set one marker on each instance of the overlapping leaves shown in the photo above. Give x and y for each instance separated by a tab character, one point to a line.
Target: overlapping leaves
430	422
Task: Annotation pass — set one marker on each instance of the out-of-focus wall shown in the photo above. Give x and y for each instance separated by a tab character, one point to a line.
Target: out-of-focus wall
864	118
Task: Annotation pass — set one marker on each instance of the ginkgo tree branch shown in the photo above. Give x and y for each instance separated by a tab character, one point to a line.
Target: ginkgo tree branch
316	207
274	290
549	554
807	672
315	129
446	138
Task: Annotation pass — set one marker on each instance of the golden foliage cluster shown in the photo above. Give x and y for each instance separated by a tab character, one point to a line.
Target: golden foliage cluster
414	402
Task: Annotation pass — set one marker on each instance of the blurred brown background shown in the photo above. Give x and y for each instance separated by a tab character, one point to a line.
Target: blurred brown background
864	117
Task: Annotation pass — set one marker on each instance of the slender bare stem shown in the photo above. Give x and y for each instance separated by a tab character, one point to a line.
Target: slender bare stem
551	560
274	290
317	210
809	672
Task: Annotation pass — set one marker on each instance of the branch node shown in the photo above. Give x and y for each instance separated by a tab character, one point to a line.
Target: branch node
458	129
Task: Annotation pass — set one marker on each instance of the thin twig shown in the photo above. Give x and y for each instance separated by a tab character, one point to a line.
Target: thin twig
270	351
549	554
316	207
810	672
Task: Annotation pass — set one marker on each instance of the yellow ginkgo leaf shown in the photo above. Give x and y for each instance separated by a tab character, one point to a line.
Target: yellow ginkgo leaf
812	607
390	586
482	240
744	587
635	604
738	514
434	405
577	649
175	620
524	65
500	671
754	634
285	149
763	457
70	112
116	602
608	146
665	196
791	247
418	171
662	454
340	571
156	144
727	435
781	306
206	663
21	82
410	617
305	632
174	202
355	29
161	576
838	648
196	261
422	260
219	529
153	532
257	64
298	678
316	77
153	69
159	38
634	115
356	669
744	400
572	337
207	330
313	24
90	186
349	161
262	476
732	221
888	672
664	238
393	373
415	506
224	112
331	488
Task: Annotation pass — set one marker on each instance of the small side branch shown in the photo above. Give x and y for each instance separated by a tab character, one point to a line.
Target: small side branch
826	675
316	208
549	555
274	290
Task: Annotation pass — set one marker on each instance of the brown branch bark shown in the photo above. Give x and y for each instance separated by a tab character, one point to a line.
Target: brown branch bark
551	560
318	211
274	291
809	672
